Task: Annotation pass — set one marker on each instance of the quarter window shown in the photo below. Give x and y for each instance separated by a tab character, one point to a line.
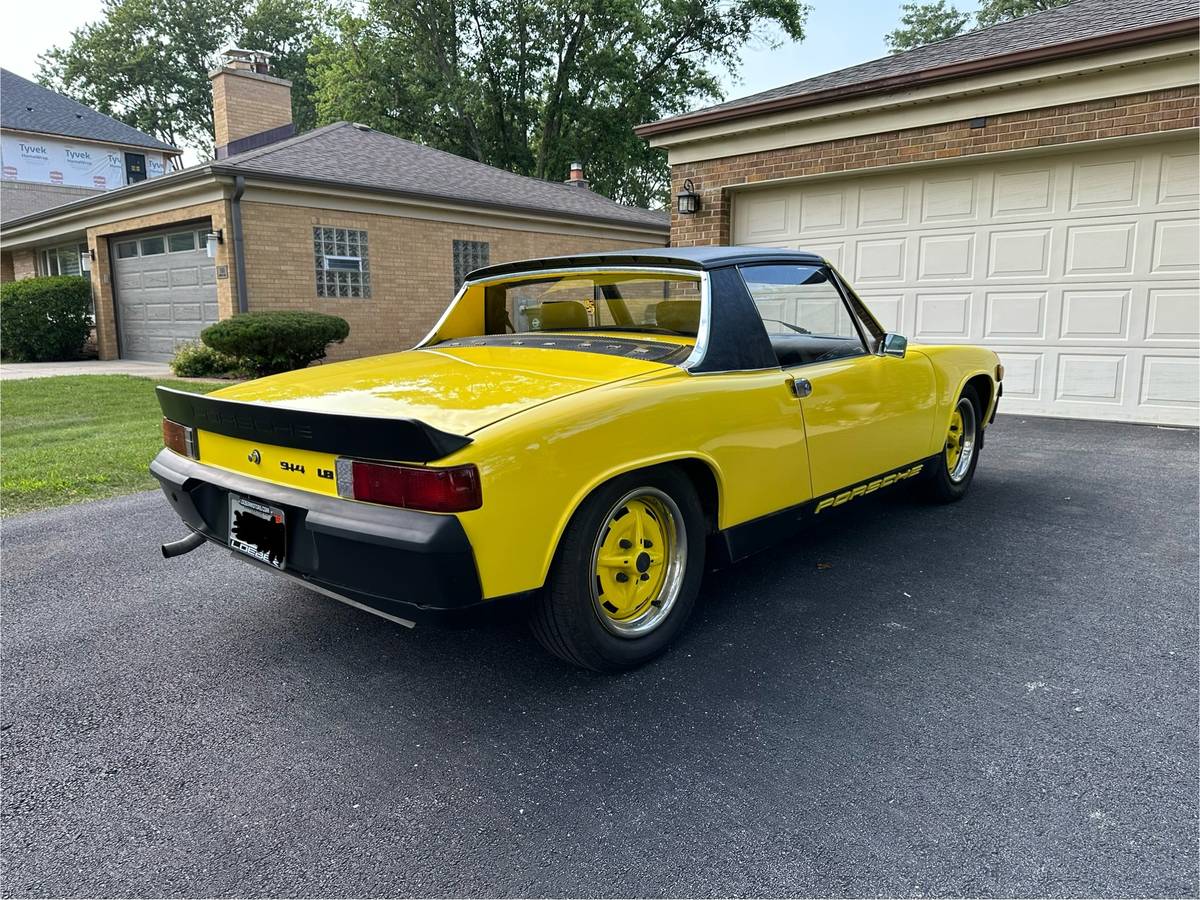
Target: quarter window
342	266
469	256
804	313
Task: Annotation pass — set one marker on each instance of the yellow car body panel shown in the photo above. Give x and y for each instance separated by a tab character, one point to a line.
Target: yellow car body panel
548	426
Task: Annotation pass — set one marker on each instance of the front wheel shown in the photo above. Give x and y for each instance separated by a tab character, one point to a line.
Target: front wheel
626	574
951	474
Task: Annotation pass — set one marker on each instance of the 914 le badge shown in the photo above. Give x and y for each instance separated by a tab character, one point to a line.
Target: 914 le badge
868	487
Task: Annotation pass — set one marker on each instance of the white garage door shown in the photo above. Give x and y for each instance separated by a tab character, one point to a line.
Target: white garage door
166	291
1079	269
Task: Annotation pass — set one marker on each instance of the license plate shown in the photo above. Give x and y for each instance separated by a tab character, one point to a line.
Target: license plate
258	530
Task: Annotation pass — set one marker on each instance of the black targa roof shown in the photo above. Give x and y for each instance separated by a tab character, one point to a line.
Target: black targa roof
732	336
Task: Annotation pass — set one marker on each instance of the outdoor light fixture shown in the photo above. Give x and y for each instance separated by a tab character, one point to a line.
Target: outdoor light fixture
85	260
688	200
212	240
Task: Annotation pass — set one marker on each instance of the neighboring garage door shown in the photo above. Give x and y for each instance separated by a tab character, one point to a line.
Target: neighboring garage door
1079	269
166	291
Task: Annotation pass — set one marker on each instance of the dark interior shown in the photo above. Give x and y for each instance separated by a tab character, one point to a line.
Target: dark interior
800	349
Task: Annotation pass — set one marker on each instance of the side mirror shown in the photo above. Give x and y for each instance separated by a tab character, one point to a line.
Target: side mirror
893	345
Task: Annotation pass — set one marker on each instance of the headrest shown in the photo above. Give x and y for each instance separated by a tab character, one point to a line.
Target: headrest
678	315
558	314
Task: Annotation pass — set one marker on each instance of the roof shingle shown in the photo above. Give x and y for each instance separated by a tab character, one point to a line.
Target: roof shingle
26	106
1074	22
357	156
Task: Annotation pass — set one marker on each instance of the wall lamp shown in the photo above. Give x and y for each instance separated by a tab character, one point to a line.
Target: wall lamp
212	240
687	200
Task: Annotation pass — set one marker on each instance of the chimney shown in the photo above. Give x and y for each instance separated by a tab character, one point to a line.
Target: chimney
251	107
577	178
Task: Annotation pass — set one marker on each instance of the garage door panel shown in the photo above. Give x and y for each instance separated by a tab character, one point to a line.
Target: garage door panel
163	300
1080	269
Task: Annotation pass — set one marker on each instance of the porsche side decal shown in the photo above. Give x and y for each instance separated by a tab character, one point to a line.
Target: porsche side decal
867	487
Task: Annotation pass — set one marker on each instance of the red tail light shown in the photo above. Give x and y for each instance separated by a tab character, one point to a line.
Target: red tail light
447	490
179	438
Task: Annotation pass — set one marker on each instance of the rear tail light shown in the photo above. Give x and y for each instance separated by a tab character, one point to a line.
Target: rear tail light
449	490
180	438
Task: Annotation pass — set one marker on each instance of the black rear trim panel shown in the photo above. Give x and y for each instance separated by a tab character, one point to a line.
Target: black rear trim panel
373	437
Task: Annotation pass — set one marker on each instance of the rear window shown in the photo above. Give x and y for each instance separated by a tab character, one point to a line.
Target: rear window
622	302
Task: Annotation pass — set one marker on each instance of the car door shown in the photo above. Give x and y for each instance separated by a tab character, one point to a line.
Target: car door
864	414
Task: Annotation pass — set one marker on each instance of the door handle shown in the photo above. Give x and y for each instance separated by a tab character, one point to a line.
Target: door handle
801	387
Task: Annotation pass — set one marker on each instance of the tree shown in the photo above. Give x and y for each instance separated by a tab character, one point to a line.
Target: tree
936	20
146	62
992	12
924	23
530	85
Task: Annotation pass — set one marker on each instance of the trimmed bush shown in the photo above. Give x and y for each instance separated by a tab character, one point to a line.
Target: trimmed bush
44	319
197	361
270	342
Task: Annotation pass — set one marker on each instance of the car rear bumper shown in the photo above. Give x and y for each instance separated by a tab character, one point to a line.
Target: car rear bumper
410	565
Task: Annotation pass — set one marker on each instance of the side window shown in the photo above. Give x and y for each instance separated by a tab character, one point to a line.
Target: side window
342	266
805	315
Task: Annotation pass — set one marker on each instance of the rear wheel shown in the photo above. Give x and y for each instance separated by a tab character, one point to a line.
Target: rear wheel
950	477
626	574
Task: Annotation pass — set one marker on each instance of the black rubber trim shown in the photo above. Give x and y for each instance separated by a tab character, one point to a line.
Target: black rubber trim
407	440
414	565
748	538
645	348
996	405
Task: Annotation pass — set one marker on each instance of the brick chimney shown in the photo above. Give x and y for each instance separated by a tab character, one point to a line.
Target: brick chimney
577	178
251	107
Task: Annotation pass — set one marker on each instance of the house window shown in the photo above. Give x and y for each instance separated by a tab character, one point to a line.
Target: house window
468	256
63	260
181	242
341	262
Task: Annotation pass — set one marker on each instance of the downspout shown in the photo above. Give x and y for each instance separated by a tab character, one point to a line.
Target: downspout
239	253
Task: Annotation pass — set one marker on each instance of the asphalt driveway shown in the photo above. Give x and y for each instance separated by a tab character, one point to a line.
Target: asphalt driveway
995	698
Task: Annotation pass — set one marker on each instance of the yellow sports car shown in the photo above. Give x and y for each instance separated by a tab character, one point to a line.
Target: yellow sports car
578	437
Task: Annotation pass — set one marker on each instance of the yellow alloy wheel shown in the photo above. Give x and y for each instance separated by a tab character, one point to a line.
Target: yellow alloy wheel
638	562
960	440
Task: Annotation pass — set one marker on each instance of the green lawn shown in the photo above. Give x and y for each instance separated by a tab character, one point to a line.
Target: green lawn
78	437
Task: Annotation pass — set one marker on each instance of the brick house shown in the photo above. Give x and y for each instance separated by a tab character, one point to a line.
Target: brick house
342	219
1032	187
55	150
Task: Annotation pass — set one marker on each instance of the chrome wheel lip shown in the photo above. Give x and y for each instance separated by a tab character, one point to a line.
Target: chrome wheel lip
676	563
966	409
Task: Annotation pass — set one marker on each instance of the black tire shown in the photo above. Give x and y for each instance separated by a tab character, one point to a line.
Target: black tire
565	617
939	485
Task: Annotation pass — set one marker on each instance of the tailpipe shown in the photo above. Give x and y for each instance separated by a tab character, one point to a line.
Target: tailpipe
183	545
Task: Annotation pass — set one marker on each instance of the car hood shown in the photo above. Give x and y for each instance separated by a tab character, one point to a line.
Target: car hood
458	390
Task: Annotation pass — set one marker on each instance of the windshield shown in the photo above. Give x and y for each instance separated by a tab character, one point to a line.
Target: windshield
641	303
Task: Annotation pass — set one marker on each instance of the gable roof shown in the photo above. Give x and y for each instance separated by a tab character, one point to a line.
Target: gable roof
350	155
1077	28
28	106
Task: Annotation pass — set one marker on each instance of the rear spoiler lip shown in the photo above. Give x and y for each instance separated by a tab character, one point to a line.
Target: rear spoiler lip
372	437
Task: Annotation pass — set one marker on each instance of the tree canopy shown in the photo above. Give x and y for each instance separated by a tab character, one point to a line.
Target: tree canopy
923	23
530	85
146	62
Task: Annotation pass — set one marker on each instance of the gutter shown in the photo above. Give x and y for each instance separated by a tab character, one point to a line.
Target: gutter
239	250
1113	41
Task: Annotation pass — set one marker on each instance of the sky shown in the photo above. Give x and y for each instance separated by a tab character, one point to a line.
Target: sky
840	33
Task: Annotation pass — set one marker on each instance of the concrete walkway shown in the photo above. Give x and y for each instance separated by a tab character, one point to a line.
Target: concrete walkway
16	371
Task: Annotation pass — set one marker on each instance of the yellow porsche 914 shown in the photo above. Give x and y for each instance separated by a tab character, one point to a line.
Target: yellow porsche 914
578	438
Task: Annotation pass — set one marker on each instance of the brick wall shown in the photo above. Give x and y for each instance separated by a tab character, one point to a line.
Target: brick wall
102	287
24	264
246	103
411	264
1133	114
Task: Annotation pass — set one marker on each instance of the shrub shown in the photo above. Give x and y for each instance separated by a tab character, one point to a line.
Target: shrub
44	319
270	342
194	360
